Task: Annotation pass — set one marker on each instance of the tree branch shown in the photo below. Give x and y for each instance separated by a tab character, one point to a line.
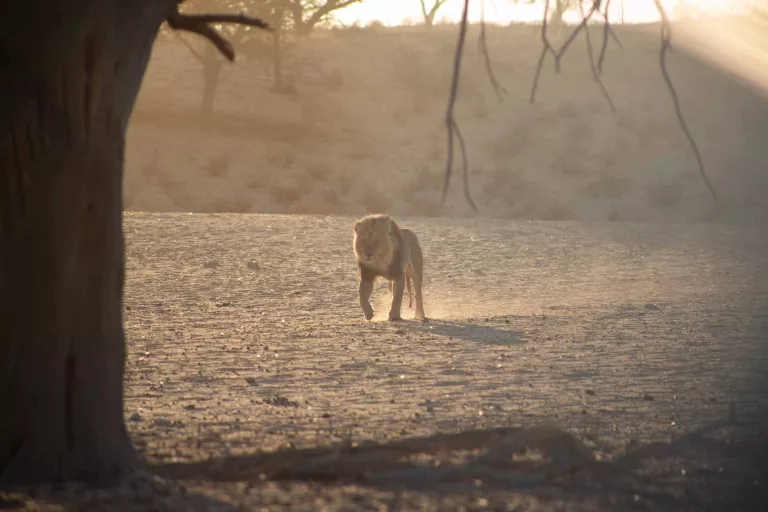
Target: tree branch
666	46
200	24
430	16
546	48
450	122
465	165
581	26
324	10
591	55
607	33
497	87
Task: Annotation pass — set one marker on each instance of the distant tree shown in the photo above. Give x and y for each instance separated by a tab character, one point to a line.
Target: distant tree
557	8
287	18
239	36
299	17
307	14
429	14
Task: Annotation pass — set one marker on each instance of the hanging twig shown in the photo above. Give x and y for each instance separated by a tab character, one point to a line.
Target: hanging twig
497	87
607	32
581	26
546	47
450	122
666	46
465	165
591	55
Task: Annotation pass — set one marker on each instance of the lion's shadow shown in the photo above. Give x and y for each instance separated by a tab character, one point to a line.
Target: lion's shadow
478	332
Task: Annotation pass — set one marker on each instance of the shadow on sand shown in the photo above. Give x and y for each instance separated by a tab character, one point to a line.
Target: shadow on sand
479	332
722	467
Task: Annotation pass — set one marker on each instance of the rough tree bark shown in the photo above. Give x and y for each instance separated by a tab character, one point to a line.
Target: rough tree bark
70	71
69	74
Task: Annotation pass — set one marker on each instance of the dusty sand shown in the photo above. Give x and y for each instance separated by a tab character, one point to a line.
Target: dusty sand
253	381
622	334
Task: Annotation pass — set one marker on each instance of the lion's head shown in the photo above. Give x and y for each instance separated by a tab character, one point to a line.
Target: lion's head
373	243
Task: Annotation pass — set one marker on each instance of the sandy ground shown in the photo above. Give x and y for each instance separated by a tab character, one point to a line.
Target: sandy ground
254	383
622	334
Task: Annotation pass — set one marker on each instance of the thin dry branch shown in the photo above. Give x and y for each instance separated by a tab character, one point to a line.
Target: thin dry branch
546	47
581	26
450	121
497	87
465	164
200	24
429	16
591	55
666	46
607	33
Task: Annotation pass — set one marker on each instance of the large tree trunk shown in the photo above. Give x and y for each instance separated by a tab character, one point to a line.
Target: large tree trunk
69	74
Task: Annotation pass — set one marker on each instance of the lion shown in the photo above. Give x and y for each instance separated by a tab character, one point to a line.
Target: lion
383	249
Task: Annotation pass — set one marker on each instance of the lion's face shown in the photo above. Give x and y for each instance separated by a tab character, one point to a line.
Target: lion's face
373	245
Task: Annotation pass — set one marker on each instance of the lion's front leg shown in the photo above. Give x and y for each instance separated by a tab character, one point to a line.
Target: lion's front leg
364	292
397	297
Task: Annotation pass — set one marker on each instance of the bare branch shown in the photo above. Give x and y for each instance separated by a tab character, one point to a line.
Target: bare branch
609	29
319	14
497	87
666	46
607	32
199	24
591	55
581	26
465	165
450	122
429	16
546	48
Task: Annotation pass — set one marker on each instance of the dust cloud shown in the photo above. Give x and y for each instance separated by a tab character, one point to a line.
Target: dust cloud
360	129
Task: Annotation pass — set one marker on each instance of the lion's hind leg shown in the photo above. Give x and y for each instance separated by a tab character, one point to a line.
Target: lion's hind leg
408	278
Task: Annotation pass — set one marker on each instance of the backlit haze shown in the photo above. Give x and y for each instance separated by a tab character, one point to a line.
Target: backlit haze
397	12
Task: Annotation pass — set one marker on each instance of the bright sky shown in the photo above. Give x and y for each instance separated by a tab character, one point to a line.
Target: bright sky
394	12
